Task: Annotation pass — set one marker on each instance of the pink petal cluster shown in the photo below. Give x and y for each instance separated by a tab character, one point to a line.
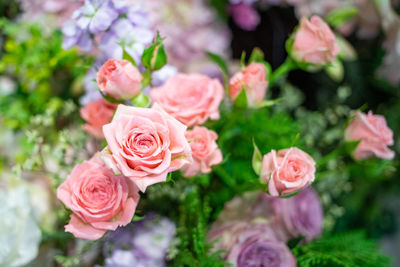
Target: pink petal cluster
205	151
374	135
287	171
253	79
145	144
190	98
99	200
314	42
96	114
119	79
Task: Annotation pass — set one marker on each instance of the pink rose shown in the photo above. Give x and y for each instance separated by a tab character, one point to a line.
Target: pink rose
119	79
205	151
190	98
314	42
374	136
96	114
99	200
287	171
253	80
145	144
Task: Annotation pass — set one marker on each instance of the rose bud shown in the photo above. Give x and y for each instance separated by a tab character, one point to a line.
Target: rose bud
99	200
314	42
96	114
374	135
287	171
205	151
119	79
253	79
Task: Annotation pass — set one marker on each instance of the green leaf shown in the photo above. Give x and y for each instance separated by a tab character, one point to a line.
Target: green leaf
219	61
141	100
128	57
350	146
338	17
243	59
154	57
241	100
335	70
267	103
256	159
257	55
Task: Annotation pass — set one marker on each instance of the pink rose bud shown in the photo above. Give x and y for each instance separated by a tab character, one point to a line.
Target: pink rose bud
190	98
314	42
287	171
205	151
253	79
96	114
145	145
374	135
119	79
99	200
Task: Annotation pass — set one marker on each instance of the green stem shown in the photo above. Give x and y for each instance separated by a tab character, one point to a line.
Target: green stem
283	69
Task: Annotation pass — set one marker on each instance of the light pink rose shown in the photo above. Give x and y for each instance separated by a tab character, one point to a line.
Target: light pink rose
314	42
119	79
99	200
190	98
374	135
253	80
205	151
145	144
96	114
287	171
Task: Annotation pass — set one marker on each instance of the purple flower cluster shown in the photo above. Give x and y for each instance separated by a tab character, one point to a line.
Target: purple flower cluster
141	244
259	239
244	14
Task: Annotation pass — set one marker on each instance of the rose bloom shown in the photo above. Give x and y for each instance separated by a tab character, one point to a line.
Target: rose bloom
254	81
119	79
374	135
190	98
145	144
251	244
205	151
99	200
314	42
287	171
96	114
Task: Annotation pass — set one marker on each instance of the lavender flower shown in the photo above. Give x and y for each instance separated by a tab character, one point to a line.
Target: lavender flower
245	16
143	243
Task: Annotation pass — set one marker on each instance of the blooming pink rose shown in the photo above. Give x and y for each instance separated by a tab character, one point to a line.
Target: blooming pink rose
96	114
253	80
119	79
205	151
374	136
99	200
314	42
287	171
145	144
190	98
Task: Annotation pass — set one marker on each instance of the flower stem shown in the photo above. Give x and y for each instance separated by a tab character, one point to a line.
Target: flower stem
283	69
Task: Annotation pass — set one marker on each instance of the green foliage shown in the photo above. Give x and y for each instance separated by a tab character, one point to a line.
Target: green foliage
351	249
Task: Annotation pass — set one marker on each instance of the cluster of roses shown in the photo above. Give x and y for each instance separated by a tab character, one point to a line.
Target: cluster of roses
145	144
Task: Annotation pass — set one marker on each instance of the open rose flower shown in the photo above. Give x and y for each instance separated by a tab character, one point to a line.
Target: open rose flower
96	114
119	79
374	135
145	144
99	200
287	171
251	244
205	151
253	80
190	98
314	42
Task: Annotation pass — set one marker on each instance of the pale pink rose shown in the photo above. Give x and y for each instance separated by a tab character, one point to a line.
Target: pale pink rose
374	135
99	200
253	79
190	98
287	171
96	114
314	42
119	79
205	151
145	144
